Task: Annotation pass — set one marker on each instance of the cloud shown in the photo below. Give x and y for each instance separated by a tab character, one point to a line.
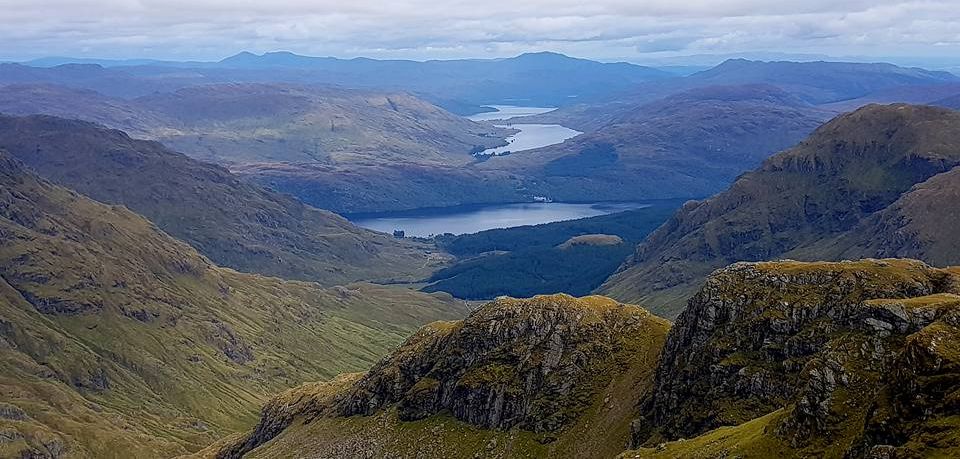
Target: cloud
420	29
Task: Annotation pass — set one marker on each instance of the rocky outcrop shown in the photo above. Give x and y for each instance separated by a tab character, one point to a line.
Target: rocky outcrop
859	354
534	365
531	364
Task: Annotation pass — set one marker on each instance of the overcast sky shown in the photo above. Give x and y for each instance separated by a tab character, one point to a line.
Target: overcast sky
634	30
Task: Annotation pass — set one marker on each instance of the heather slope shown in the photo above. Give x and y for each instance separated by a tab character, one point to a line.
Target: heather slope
236	224
799	201
118	340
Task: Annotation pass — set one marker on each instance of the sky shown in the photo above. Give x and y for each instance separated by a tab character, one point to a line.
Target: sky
633	30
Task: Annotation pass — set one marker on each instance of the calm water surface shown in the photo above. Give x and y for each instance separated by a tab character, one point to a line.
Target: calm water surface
531	136
471	219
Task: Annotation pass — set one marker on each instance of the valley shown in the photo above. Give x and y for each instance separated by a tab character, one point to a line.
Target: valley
426	223
276	255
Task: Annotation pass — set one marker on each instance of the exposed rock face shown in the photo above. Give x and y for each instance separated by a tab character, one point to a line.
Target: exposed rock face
531	364
536	365
850	349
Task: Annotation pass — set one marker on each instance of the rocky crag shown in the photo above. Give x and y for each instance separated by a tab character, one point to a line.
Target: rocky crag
550	375
851	359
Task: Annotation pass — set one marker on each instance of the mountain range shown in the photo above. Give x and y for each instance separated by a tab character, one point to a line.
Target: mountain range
371	146
462	86
816	83
162	295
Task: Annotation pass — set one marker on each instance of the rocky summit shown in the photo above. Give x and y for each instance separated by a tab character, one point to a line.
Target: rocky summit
850	359
549	376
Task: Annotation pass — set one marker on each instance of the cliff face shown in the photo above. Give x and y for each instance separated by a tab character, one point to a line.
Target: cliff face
852	171
531	364
858	357
528	369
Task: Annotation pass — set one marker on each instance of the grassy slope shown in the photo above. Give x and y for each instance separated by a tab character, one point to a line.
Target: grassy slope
117	338
238	225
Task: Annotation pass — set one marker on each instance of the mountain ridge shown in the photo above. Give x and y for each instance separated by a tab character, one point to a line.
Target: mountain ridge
849	169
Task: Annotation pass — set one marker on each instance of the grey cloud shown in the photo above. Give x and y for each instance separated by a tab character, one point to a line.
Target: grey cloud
419	29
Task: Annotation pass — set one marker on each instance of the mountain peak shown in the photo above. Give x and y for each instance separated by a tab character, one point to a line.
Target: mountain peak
240	56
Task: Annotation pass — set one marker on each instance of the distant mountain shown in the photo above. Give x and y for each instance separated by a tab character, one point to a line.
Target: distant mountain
54	61
112	82
924	94
848	191
236	224
821	82
241	123
460	85
690	144
527	79
117	340
816	83
84	104
949	102
552	376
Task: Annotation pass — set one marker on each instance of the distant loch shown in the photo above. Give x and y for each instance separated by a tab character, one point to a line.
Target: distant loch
531	135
